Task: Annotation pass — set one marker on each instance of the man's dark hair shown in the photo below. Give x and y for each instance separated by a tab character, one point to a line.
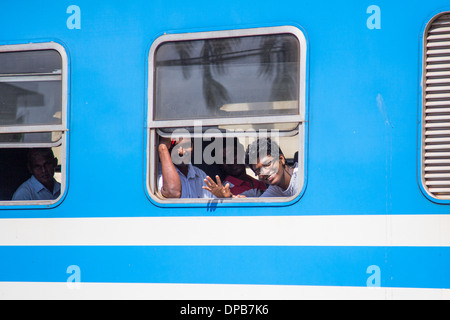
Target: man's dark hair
261	148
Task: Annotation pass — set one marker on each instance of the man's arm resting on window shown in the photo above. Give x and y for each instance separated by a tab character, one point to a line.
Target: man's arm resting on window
171	187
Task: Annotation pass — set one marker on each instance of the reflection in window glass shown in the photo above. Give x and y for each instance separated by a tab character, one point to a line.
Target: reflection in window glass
30	62
204	78
30	87
30	102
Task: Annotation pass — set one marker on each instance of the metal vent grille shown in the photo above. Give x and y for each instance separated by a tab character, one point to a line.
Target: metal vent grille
436	124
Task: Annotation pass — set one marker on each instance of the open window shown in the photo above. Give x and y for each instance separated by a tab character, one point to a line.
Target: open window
210	88
33	117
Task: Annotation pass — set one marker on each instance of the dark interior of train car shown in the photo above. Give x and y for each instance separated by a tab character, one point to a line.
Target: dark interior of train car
14	171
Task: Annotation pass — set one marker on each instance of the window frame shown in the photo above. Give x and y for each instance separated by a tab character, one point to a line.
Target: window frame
153	126
62	128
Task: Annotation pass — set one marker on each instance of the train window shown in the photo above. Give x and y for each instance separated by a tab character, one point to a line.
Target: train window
436	108
33	125
212	98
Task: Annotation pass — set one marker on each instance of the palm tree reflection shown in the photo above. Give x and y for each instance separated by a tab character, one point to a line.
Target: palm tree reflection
275	57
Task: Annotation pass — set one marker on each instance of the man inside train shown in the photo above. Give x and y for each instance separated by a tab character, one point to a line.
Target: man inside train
178	178
42	184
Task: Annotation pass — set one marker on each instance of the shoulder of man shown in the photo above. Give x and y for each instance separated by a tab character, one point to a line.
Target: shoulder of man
24	191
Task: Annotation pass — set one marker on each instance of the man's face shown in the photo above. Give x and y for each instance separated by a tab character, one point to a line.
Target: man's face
43	168
269	170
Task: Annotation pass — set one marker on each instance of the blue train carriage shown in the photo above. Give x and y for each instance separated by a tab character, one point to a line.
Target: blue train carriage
355	94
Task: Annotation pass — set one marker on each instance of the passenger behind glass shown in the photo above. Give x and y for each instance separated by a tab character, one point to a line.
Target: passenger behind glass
42	185
237	182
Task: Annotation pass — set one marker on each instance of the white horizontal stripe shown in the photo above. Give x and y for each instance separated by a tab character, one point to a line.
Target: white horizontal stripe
367	230
121	291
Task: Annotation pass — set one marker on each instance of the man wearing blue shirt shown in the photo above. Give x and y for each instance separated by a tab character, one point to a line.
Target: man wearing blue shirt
41	185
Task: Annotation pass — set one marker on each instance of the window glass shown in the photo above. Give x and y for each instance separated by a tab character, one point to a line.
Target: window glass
204	78
30	88
43	138
15	63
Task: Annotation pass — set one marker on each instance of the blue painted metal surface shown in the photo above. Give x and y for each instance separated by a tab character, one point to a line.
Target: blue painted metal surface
363	141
